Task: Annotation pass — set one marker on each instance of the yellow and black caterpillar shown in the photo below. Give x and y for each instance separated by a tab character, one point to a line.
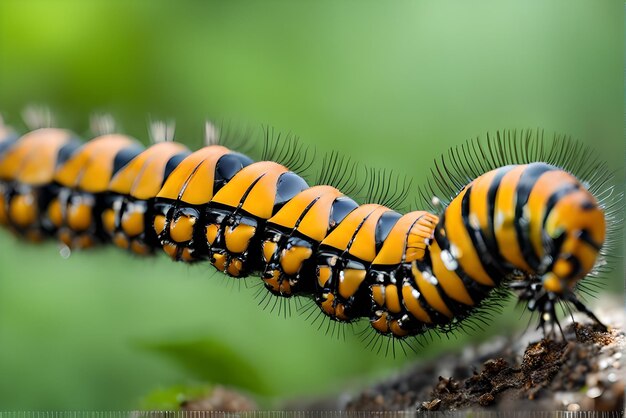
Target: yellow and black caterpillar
514	220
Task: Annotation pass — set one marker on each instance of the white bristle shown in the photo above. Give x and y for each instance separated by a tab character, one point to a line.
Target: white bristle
211	134
161	131
37	117
102	124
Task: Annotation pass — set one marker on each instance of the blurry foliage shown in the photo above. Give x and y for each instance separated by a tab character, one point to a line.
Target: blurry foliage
171	398
212	361
390	85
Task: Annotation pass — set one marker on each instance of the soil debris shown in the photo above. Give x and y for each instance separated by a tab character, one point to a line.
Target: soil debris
584	371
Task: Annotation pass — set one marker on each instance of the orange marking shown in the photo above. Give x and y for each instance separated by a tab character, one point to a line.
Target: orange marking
412	304
430	293
315	222
378	294
91	167
269	248
178	181
272	282
79	216
260	200
159	224
261	178
291	260
406	240
545	186
55	214
459	238
32	160
234	268
186	255
23	210
323	274
478	209
552	283
238	238
340	310
327	305
420	234
142	178
350	281
211	233
568	216
120	240
363	245
381	324
171	250
392	300
504	219
397	330
219	261
181	230
285	288
451	283
199	186
132	223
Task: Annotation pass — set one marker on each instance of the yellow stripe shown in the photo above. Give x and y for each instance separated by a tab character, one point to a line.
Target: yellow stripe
504	219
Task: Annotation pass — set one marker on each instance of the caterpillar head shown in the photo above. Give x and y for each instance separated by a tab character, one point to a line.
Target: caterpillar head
574	231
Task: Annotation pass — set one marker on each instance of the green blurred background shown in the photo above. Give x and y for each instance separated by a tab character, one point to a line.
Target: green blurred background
391	84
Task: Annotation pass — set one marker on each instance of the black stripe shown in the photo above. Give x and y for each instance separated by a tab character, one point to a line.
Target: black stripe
476	290
526	183
226	167
437	317
585	236
66	151
174	162
124	156
289	184
383	227
492	267
8	141
552	246
555	197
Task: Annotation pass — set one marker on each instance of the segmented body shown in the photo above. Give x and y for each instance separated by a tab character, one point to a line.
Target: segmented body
406	273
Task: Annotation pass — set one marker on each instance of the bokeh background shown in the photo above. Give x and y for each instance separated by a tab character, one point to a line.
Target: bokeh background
392	85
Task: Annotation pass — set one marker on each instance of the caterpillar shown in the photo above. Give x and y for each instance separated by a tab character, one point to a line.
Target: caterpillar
514	217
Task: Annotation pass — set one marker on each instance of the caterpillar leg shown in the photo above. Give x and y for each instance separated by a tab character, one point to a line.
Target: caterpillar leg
571	298
538	299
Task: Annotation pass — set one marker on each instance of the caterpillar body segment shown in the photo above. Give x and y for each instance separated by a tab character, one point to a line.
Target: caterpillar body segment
293	234
128	215
239	211
532	227
180	207
27	184
76	212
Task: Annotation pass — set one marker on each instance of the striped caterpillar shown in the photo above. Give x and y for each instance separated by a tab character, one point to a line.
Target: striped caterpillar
514	220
